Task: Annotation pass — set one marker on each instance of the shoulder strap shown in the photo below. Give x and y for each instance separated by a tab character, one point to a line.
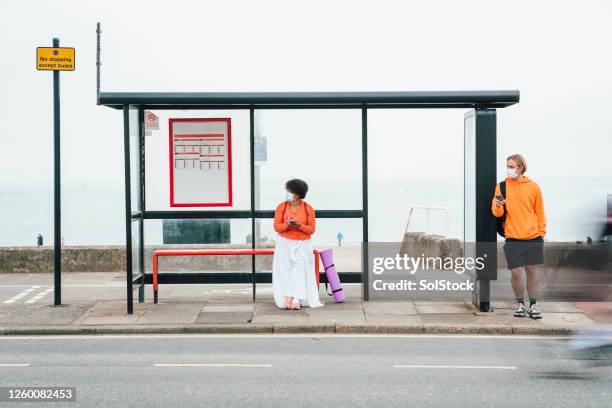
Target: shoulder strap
501	221
502	189
305	209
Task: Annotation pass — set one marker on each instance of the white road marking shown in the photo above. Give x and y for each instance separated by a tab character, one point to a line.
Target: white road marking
477	367
212	365
13	365
39	296
23	293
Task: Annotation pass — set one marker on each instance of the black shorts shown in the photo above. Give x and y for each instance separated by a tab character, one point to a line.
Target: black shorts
522	252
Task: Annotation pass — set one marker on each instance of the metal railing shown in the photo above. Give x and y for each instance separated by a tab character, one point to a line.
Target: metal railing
428	210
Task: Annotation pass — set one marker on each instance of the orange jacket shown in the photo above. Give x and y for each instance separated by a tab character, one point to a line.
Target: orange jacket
525	218
306	228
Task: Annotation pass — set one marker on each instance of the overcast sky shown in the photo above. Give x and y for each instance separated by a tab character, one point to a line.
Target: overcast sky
557	53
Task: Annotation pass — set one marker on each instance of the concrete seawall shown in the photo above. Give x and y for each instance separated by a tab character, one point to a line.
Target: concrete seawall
112	259
555	253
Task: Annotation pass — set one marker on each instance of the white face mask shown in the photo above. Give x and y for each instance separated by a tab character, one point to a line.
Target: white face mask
288	196
512	173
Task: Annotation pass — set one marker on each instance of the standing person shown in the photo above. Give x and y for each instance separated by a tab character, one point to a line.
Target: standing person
294	282
340	236
524	229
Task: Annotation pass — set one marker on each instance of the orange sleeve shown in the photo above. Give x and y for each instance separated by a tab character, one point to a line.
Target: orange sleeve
539	210
312	222
497	211
279	223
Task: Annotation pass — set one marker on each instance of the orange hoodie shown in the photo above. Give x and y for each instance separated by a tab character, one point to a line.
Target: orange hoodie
525	218
304	230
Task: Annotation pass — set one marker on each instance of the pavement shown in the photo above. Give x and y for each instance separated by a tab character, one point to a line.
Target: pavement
95	303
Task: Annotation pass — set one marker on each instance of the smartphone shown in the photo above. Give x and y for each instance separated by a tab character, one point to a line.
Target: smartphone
499	197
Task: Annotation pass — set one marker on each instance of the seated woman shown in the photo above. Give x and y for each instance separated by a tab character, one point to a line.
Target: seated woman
294	282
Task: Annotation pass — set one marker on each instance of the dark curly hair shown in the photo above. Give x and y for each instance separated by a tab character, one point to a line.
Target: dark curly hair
297	186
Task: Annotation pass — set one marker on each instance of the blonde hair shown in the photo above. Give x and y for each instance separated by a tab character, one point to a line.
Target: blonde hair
520	161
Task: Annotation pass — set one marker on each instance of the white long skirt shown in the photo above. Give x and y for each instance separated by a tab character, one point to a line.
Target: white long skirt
293	272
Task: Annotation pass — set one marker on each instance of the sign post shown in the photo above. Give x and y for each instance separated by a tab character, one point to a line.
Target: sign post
57	195
56	59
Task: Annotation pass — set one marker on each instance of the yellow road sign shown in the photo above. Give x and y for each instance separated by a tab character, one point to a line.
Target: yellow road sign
55	59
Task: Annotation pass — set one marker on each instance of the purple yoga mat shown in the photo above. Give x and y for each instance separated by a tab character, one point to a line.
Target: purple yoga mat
332	275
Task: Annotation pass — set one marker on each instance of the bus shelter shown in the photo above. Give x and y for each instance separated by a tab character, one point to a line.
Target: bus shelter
480	154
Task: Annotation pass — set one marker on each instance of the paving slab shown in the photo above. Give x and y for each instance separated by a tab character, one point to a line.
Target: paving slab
171	313
280	320
523	322
546	307
448	318
111	312
106	320
390	308
41	314
490	319
443	308
348	313
119	305
393	319
223	317
328	316
225	313
269	307
566	319
233	308
350	305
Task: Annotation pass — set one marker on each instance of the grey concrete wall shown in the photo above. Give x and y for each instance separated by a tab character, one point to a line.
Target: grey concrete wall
112	259
555	253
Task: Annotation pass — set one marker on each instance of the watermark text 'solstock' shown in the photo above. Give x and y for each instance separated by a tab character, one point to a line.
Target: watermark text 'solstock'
418	272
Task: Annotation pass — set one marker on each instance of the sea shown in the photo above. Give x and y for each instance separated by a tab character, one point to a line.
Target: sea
93	212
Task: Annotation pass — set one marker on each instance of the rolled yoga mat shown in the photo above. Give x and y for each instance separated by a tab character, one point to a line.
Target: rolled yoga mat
332	275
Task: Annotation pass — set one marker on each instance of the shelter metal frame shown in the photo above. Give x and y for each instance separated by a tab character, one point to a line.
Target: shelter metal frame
484	104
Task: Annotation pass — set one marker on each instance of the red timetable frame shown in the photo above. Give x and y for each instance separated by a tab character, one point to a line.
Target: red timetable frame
212	137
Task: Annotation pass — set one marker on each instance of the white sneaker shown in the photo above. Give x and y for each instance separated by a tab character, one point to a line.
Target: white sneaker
535	312
520	310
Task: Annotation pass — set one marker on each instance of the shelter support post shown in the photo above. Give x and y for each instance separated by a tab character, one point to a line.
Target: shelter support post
252	170
128	208
486	233
141	199
365	284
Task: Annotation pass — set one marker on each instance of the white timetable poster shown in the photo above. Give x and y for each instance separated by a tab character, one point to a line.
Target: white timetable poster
200	162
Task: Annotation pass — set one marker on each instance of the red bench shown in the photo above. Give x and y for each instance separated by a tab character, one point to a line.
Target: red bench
194	252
